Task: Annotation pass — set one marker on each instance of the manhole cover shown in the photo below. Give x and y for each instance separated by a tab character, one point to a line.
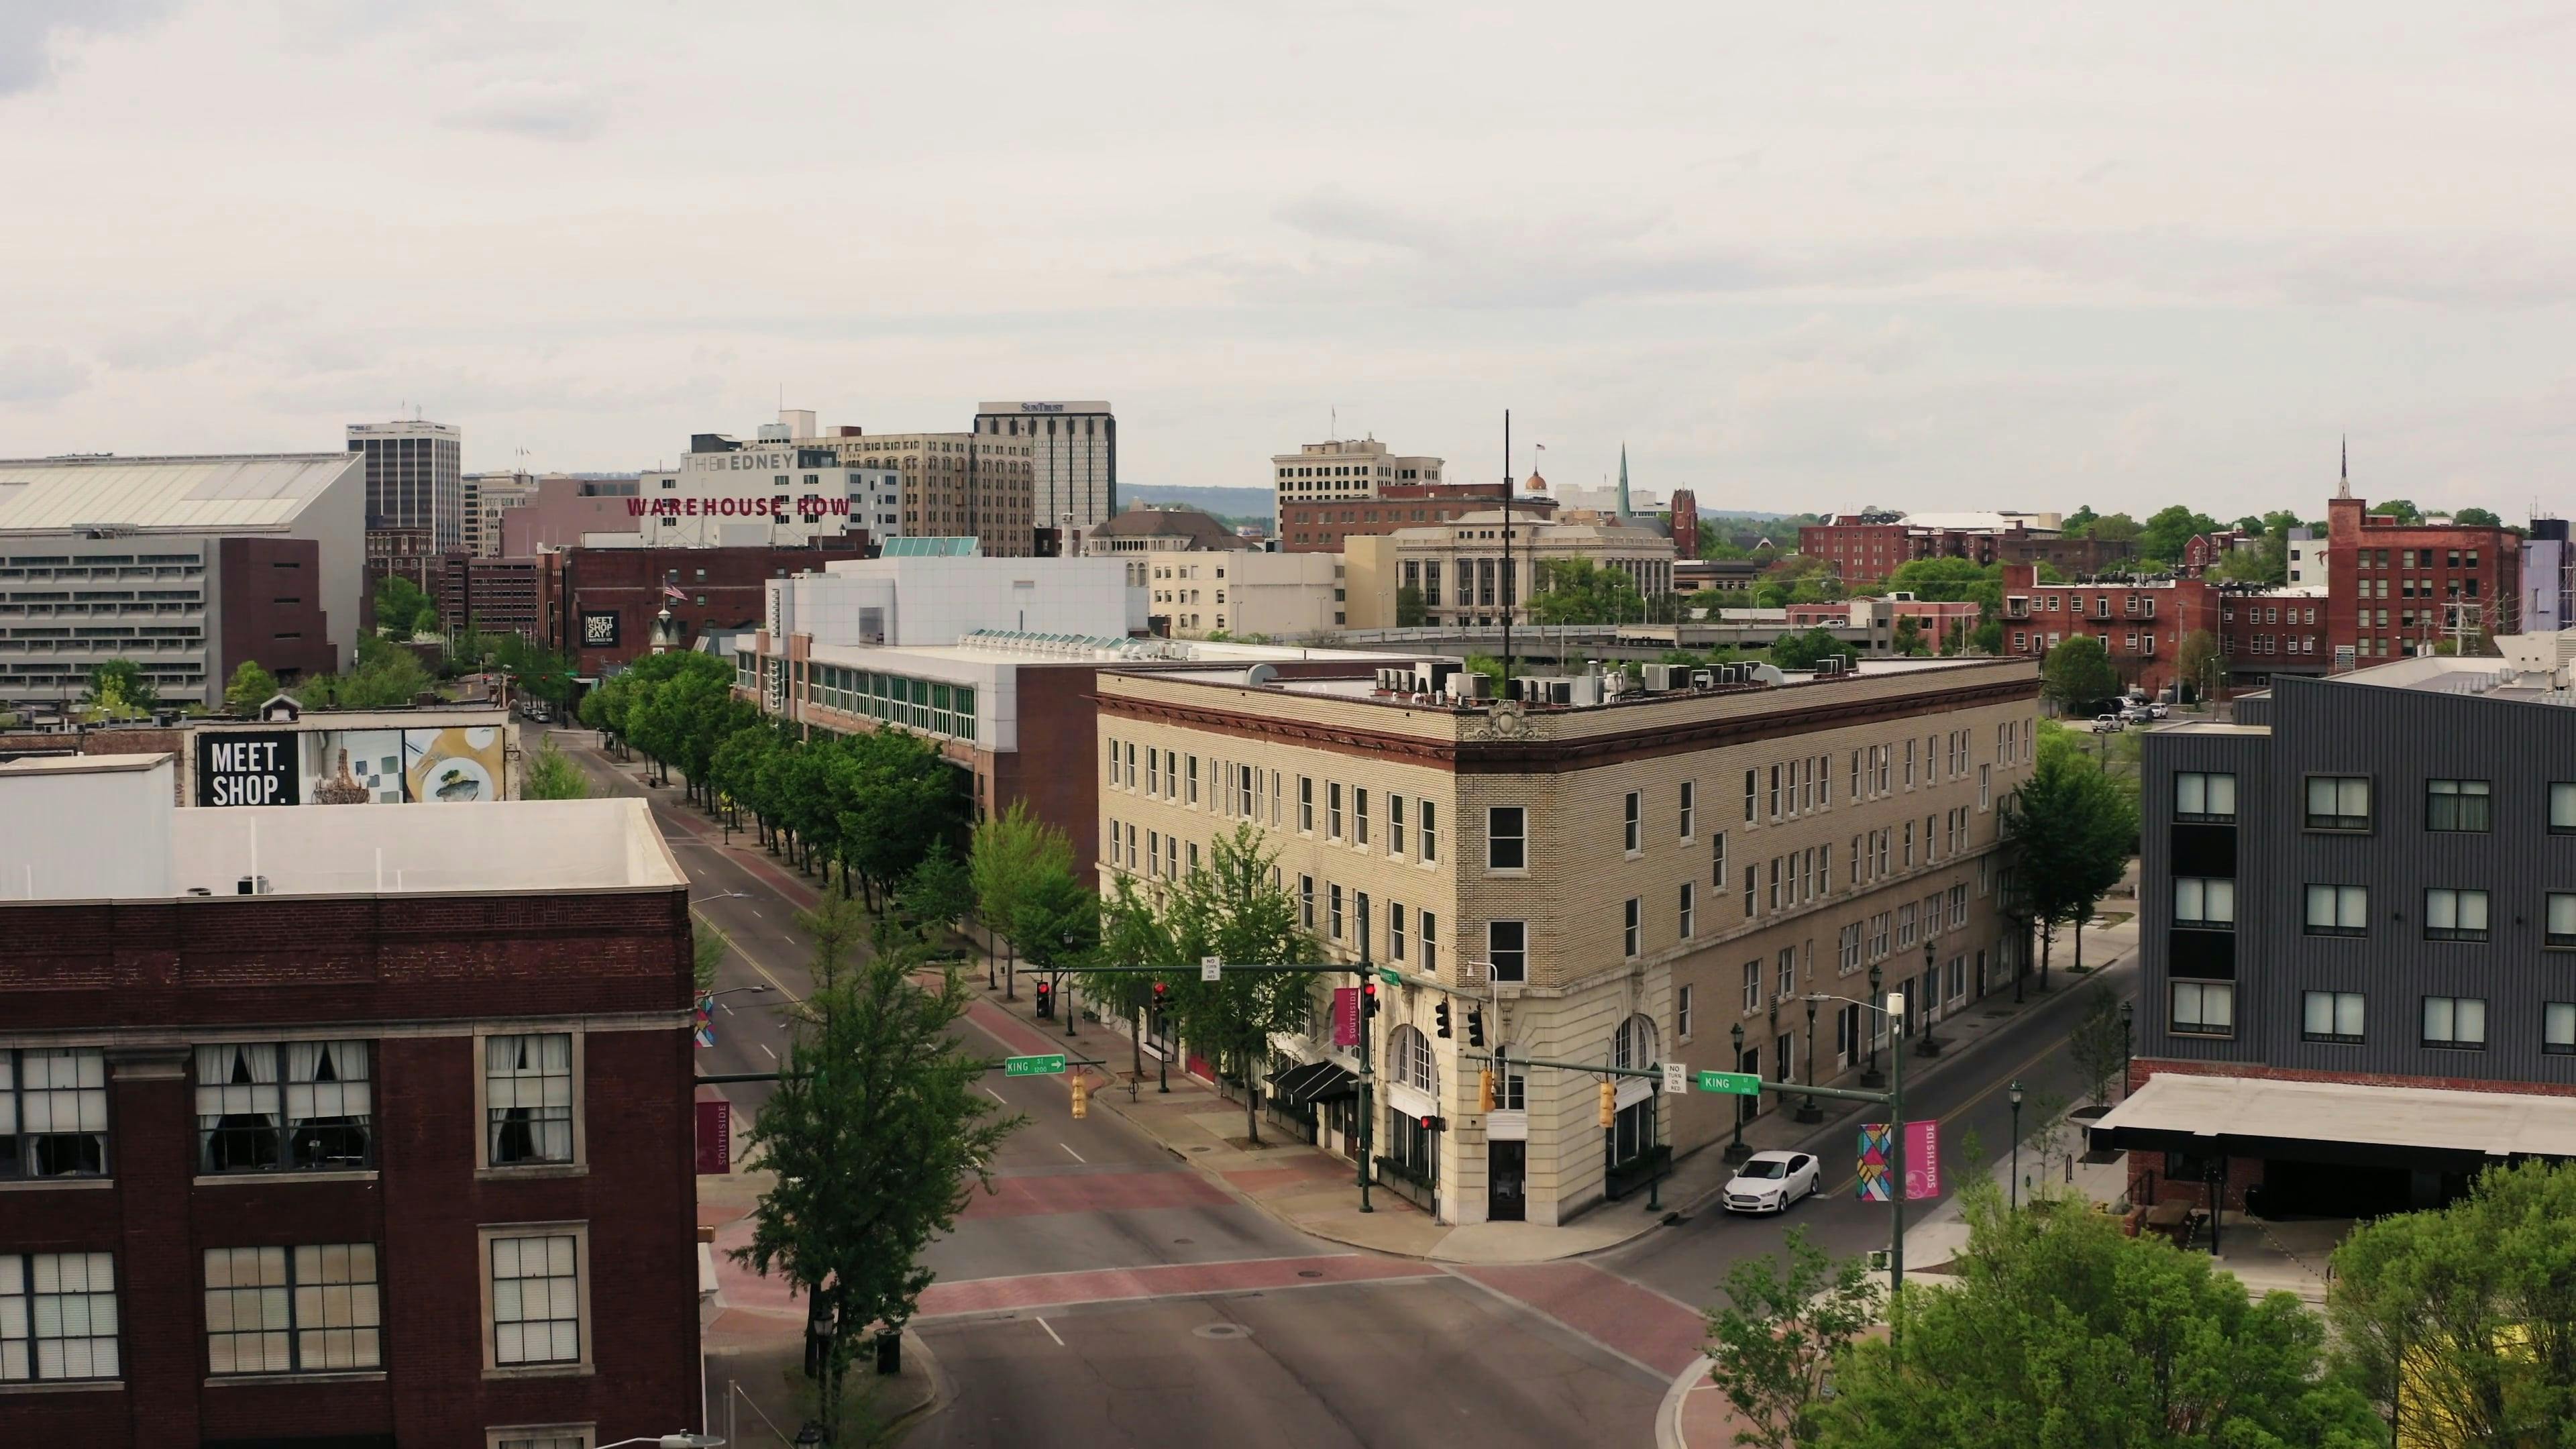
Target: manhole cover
1308	1273
1222	1330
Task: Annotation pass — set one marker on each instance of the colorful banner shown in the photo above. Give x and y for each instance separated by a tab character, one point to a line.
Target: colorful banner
705	1032
1922	1160
1346	1016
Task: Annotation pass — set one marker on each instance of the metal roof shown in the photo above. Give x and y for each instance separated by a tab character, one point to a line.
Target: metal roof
248	492
939	547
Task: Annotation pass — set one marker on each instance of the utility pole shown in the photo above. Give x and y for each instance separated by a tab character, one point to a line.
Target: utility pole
1368	1111
1504	692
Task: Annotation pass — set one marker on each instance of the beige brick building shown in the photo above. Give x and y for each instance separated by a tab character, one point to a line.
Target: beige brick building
1615	883
954	484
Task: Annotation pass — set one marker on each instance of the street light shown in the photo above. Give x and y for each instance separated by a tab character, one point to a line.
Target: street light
1931	996
1808	1111
2128	1045
1892	1004
1871	1078
1736	1151
2012	1094
737	990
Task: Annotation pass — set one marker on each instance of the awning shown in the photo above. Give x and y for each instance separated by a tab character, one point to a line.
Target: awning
1312	1082
2338	1122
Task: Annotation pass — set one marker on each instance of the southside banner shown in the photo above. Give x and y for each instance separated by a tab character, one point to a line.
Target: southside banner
1346	1016
1922	1160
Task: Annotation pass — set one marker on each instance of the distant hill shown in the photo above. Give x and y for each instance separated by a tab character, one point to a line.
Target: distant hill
1240	505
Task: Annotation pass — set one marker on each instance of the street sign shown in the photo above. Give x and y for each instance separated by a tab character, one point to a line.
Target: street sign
1211	968
1740	1084
1390	976
1676	1077
1033	1066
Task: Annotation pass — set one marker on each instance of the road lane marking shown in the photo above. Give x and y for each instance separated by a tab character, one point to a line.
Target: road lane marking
736	947
998	1097
756	911
773	1056
1051	1333
1076	1156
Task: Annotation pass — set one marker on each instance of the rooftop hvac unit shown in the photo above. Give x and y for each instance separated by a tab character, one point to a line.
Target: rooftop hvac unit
1479	686
253	885
1661	678
1764	674
1570	691
1703	678
1435	674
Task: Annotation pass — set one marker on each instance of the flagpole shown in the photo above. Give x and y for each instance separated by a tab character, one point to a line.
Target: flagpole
1505	691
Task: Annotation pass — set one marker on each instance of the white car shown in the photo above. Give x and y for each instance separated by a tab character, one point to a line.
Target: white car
1769	1181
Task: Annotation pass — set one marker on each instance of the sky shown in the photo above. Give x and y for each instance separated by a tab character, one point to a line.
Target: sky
2009	255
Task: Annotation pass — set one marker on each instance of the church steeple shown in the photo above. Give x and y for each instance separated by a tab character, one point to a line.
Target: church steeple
1623	482
2343	489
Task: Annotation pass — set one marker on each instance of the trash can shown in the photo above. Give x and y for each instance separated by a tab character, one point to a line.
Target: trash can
889	1353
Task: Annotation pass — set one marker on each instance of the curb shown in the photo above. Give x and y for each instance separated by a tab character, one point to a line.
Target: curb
1668	1418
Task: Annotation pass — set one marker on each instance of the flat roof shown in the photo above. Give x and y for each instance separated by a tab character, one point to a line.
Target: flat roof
208	494
79	764
2255	1112
2498	679
2214	727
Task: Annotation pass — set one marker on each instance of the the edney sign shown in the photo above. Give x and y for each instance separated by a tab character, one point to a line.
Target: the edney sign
240	767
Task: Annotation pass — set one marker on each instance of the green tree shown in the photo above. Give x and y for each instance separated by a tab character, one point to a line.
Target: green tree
2477	518
2115	528
2461	1324
250	687
403	610
1412	611
876	1136
1945	579
2078	522
2168	529
1057	927
2068	831
2199	663
551	775
2403	509
2099	1045
1801	651
1010	852
2078	674
937	895
2062	1332
707	947
1580	591
1987	637
1786	1320
1909	637
119	690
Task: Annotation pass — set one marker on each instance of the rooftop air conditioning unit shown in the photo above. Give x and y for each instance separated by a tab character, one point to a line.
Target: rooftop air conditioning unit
253	885
1702	678
1479	686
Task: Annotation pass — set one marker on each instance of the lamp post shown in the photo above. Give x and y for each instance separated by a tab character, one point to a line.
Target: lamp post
1736	1151
1931	995
2012	1094
1871	1078
756	986
2128	1045
1808	1111
1061	982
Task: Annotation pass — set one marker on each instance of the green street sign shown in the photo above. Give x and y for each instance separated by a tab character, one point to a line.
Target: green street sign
1739	1084
1390	977
1033	1066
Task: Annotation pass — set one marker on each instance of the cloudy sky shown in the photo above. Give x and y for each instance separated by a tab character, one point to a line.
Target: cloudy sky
2012	254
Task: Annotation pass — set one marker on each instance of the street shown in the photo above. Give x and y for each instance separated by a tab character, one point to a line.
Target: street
1109	1294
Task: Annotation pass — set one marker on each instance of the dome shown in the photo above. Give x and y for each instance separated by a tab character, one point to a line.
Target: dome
1536	484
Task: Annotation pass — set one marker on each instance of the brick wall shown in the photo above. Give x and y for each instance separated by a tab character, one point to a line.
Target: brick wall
269	594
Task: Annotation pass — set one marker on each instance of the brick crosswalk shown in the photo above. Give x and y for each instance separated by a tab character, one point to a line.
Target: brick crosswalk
1048	1290
1094	1192
1639	1323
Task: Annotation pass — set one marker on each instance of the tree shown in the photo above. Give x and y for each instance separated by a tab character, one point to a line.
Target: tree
2115	528
551	775
2198	663
2403	509
877	1135
2061	1331
1412	611
2461	1323
1945	579
385	678
119	690
2477	518
251	687
707	949
2078	674
1010	852
937	895
402	610
2100	1046
1580	591
1785	1321
1909	637
2067	831
1801	651
1057	928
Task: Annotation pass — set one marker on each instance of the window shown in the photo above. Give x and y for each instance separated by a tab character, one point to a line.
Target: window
2199	796
1306	804
2562	809
1750	885
1359	816
2203	1008
321	1119
538	1298
1333	906
1682	1013
1633	836
1306	902
53	1112
2455	915
2330	1016
567	1436
2338	910
1686	917
1985	787
1632	927
2205	903
2338	802
1507	949
1958	907
528	1099
1752	986
1333	812
1752	792
2562	919
1788	972
1430	850
1689	807
2558	1028
1717	860
1773	794
58	1317
1395	930
1395	825
2457	1022
1429	926
1506	838
2464	805
308	1309
1154	772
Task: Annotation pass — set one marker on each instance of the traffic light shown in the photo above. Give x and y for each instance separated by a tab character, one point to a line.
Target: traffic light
1484	1091
1368	999
1046	1002
1162	995
1081	1096
1475	1027
1440	1014
1609	1105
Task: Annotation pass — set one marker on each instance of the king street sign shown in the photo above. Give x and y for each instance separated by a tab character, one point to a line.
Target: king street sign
1033	1066
1740	1084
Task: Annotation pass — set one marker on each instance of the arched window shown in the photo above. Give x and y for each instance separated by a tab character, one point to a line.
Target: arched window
1408	1060
1634	1045
1632	1133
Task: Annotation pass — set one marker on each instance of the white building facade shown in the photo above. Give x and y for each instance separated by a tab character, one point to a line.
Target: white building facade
1345	468
768	495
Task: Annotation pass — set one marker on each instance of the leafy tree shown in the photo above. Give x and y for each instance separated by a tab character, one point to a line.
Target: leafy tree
2115	528
2078	674
2068	831
1057	927
1801	651
876	1135
251	687
2198	663
2060	1331
1011	851
2461	1324
1909	637
1945	579
1987	637
937	895
119	690
1412	611
707	949
2168	529
1785	1321
1580	591
551	775
2099	1045
2079	521
2403	509
403	610
1488	666
2477	518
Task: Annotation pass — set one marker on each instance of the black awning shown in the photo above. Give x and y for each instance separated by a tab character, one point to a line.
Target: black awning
1303	1086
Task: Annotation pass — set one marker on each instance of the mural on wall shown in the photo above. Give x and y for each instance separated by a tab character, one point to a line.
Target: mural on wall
452	765
352	767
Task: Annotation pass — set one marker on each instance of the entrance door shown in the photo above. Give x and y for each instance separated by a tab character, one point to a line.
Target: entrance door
1847	1036
1506	1181
1783	1052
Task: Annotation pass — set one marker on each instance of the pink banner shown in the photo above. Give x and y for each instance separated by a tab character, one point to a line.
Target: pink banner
1346	1016
1922	1161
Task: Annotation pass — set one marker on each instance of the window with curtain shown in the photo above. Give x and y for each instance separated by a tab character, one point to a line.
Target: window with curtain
528	1098
293	1106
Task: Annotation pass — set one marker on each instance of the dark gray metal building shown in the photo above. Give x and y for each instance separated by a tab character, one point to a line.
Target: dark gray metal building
2358	932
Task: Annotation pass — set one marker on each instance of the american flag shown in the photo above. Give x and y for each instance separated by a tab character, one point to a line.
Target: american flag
674	591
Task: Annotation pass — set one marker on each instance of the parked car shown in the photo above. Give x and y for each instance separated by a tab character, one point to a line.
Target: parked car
2135	714
2107	724
2159	710
1769	1182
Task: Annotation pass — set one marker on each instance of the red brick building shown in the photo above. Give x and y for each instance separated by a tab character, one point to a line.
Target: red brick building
341	1164
598	605
494	595
2275	633
2140	625
1865	548
1321	525
1685	515
2395	589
